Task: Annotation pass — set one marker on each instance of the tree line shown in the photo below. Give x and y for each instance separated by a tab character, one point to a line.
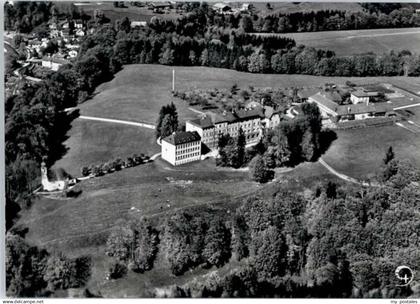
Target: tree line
330	20
34	272
195	40
337	241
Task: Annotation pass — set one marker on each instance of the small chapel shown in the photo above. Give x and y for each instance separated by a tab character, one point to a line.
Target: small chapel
54	180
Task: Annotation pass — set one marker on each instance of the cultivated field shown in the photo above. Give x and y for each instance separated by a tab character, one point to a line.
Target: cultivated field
290	7
359	153
361	41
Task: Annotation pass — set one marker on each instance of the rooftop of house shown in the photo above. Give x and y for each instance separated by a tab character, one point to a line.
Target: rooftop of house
363	93
182	137
306	93
204	122
221	6
55	59
361	108
325	101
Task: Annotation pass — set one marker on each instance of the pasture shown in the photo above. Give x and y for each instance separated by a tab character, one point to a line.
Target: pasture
359	153
92	142
138	91
361	41
133	13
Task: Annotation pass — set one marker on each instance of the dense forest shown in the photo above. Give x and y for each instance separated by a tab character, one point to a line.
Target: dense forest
337	241
332	20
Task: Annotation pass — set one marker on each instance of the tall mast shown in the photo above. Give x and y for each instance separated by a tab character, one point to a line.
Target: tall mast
173	80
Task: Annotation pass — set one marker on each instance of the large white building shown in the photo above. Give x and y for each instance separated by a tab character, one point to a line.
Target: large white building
181	147
252	122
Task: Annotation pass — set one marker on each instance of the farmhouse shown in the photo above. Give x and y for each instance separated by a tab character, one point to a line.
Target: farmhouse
355	111
181	147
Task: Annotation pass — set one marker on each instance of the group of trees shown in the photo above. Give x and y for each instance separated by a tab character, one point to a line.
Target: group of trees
198	39
34	272
114	165
290	143
339	242
133	246
167	122
330	20
232	150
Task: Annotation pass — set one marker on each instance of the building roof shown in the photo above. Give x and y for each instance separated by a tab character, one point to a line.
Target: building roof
55	60
363	93
269	111
362	108
376	88
248	114
203	123
225	117
306	93
326	102
178	138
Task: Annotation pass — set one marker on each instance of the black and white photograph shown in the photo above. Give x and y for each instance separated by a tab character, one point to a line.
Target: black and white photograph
181	149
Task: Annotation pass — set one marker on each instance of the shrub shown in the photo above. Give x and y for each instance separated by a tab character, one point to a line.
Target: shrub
85	171
117	270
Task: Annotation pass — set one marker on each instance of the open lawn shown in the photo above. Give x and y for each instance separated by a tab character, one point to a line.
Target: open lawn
153	189
138	91
359	153
361	41
91	142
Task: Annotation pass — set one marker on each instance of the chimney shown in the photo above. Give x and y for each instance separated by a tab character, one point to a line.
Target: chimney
367	101
348	109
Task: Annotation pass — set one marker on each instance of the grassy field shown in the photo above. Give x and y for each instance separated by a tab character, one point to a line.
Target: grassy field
361	41
138	91
133	13
91	142
290	7
359	153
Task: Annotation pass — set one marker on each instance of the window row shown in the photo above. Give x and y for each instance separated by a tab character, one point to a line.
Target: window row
187	156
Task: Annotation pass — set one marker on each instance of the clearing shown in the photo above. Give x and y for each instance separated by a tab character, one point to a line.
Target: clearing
358	153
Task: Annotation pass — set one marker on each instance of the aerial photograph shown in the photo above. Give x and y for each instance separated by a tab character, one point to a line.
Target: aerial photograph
211	149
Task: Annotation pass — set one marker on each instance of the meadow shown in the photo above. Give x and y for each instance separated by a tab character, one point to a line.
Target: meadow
92	142
139	91
359	153
361	41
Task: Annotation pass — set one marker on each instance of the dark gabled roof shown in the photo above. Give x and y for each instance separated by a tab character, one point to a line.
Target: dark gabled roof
225	117
362	93
248	114
203	123
182	137
376	88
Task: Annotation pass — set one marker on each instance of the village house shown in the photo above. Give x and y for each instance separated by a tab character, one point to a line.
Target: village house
134	24
359	109
53	62
181	147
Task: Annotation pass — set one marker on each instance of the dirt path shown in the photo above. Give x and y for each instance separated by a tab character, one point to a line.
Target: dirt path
124	122
338	174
